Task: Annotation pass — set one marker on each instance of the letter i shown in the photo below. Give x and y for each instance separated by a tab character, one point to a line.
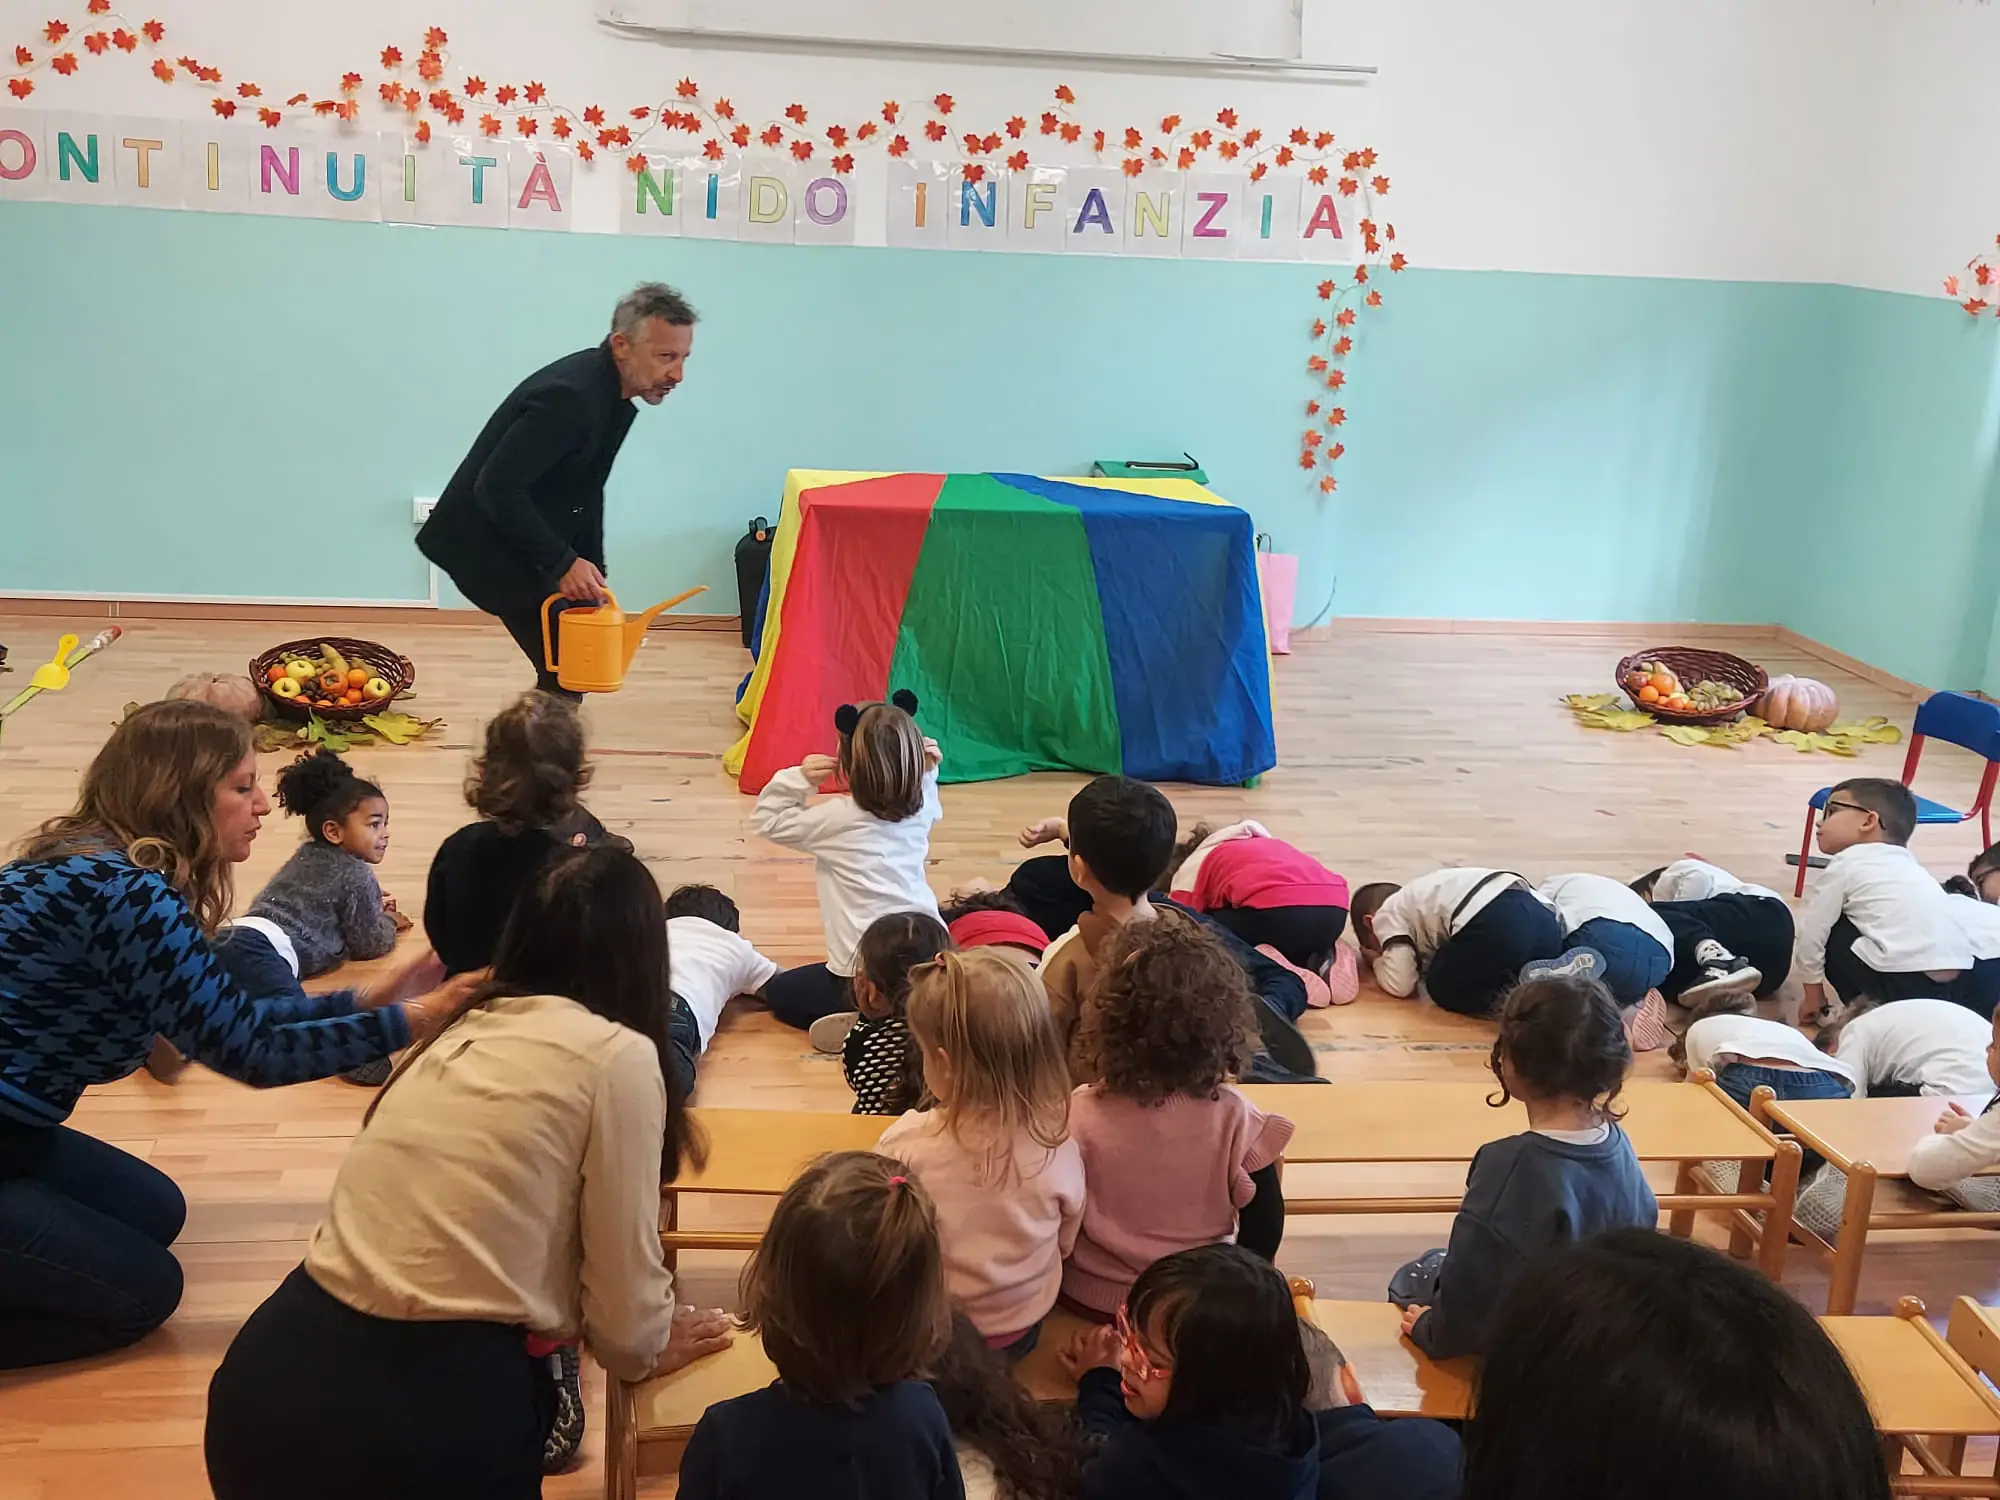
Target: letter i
923	197
214	167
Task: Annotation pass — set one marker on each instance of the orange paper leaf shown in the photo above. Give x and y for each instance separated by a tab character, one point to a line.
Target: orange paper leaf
974	172
97	41
1299	136
899	146
430	67
1133	138
771	134
1018	162
593	115
98	7
796	113
268	117
1170	124
687	89
1343	345
1344	318
1015	126
837	134
1316	364
1312	408
1065	93
1327	485
392	57
1373	299
1185	159
1349	187
636	163
435	38
724	110
1071	133
475	86
1319	328
1312	437
865	130
1133	166
20	88
1251	138
712	149
507	94
1336	379
1398	261
23	57
890	109
123	40
944	104
1380	184
934	130
423	132
1335	417
1326	290
489	124
1257	172
55	31
1360	273
223	107
536	92
1284	156
1308	459
1322	140
1335	451
1226	119
585	151
526	124
1227	150
843	163
1316	176
163	70
740	136
802	150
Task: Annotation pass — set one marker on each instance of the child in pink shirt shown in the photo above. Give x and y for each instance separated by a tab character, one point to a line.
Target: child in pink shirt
1172	1156
995	1154
1273	895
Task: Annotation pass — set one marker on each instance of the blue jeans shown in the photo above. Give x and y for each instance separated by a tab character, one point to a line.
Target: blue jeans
1739	1079
1634	961
84	1231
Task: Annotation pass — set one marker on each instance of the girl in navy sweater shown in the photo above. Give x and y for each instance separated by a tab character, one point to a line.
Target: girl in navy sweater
847	1292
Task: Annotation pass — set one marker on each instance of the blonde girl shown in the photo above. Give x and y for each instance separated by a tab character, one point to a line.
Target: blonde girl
995	1154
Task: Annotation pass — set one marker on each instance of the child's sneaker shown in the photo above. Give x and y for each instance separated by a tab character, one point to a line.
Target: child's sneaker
1577	963
566	1436
370	1075
1722	973
829	1033
1343	975
1318	996
1646	1026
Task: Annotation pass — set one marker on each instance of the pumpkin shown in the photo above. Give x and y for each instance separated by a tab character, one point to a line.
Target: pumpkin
1801	703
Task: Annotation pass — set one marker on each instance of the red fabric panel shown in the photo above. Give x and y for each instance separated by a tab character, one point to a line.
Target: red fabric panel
858	546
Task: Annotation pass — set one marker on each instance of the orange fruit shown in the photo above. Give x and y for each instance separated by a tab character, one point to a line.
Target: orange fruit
356	676
350	698
1664	684
1649	694
277	671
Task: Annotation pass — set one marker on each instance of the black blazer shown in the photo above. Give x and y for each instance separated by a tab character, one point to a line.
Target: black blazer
529	498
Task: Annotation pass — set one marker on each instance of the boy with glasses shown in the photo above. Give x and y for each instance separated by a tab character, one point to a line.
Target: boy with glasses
1879	927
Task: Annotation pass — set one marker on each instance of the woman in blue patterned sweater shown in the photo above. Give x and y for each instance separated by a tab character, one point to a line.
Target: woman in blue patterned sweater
105	920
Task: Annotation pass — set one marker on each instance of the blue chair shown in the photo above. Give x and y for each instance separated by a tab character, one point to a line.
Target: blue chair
1957	719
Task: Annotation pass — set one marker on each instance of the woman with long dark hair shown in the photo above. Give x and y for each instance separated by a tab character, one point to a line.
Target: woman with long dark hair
106	918
505	1184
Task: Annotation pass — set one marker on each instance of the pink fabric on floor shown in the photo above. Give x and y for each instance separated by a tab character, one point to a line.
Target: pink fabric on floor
1317	993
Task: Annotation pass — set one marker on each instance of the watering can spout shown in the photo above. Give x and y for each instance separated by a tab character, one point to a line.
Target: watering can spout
637	625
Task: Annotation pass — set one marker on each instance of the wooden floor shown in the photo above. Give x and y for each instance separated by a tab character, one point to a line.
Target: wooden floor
1401	752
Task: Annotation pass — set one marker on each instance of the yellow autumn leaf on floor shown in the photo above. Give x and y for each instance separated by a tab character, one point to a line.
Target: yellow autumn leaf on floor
1586	703
1689	734
1622	721
400	728
1870	731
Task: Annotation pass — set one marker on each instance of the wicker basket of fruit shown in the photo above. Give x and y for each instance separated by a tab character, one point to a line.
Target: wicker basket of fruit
1687	685
337	678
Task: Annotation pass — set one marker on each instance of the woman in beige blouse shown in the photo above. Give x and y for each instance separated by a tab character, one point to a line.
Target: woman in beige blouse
504	1184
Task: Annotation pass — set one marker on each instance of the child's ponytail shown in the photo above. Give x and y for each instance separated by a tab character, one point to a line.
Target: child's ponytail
321	788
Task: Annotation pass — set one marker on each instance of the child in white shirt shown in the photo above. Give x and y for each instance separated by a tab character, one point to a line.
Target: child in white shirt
1466	932
869	847
708	962
1729	937
1878	926
1962	1145
1913	1047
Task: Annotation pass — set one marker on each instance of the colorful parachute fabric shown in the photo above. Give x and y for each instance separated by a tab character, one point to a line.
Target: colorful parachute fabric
1045	624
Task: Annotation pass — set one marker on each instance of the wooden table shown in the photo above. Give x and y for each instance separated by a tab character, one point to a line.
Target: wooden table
1867	1140
1687	1124
1926	1399
757	1153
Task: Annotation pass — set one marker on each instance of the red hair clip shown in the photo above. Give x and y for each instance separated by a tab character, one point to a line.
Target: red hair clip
897	1181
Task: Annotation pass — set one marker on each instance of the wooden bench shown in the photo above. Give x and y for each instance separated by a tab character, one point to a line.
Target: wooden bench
1868	1140
757	1152
1925	1392
648	1424
1687	1124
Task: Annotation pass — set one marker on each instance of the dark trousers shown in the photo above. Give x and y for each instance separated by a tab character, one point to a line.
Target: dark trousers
1976	988
315	1401
684	1033
1479	963
800	996
525	626
254	964
1634	961
1754	928
1304	934
84	1231
1046	893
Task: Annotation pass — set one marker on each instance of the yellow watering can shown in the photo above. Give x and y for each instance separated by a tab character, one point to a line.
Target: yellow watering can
598	642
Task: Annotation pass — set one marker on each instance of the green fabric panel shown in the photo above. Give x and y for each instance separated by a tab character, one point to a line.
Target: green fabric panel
1002	639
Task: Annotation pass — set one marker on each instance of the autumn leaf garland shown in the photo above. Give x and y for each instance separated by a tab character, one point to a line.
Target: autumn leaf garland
412	87
1983	274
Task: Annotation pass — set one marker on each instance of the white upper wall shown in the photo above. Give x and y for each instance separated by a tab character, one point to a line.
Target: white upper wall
1792	140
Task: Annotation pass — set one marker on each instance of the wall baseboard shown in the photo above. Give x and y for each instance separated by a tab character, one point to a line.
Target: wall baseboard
359	613
355	612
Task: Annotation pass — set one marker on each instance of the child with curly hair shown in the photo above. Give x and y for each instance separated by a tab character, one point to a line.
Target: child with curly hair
524	785
325	898
1170	1025
1562	1051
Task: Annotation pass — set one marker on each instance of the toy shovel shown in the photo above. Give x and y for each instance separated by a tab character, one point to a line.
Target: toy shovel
53	676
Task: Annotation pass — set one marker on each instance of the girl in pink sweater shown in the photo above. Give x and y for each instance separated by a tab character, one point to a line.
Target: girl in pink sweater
995	1154
1172	1156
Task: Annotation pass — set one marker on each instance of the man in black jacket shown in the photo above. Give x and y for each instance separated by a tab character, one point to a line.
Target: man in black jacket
523	518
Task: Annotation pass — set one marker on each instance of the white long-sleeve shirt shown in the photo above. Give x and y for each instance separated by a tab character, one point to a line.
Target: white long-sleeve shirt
1938	1161
1698	880
1933	1045
1415	922
1715	1041
1584	898
865	868
1908	923
708	964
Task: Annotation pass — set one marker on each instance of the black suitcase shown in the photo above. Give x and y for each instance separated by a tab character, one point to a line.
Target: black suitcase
753	564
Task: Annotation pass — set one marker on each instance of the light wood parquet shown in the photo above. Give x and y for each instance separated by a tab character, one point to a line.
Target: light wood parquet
1400	752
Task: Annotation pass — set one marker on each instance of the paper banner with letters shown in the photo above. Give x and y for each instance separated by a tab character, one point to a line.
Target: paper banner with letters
473	180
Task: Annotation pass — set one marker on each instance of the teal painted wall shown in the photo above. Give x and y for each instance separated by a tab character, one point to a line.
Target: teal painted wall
207	404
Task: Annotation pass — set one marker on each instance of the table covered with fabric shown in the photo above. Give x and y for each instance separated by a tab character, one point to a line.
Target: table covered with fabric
1044	624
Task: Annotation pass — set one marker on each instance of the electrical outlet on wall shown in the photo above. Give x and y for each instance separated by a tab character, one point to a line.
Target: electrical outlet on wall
422	506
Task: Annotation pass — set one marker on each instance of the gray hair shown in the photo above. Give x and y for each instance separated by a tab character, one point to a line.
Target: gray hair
651	299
